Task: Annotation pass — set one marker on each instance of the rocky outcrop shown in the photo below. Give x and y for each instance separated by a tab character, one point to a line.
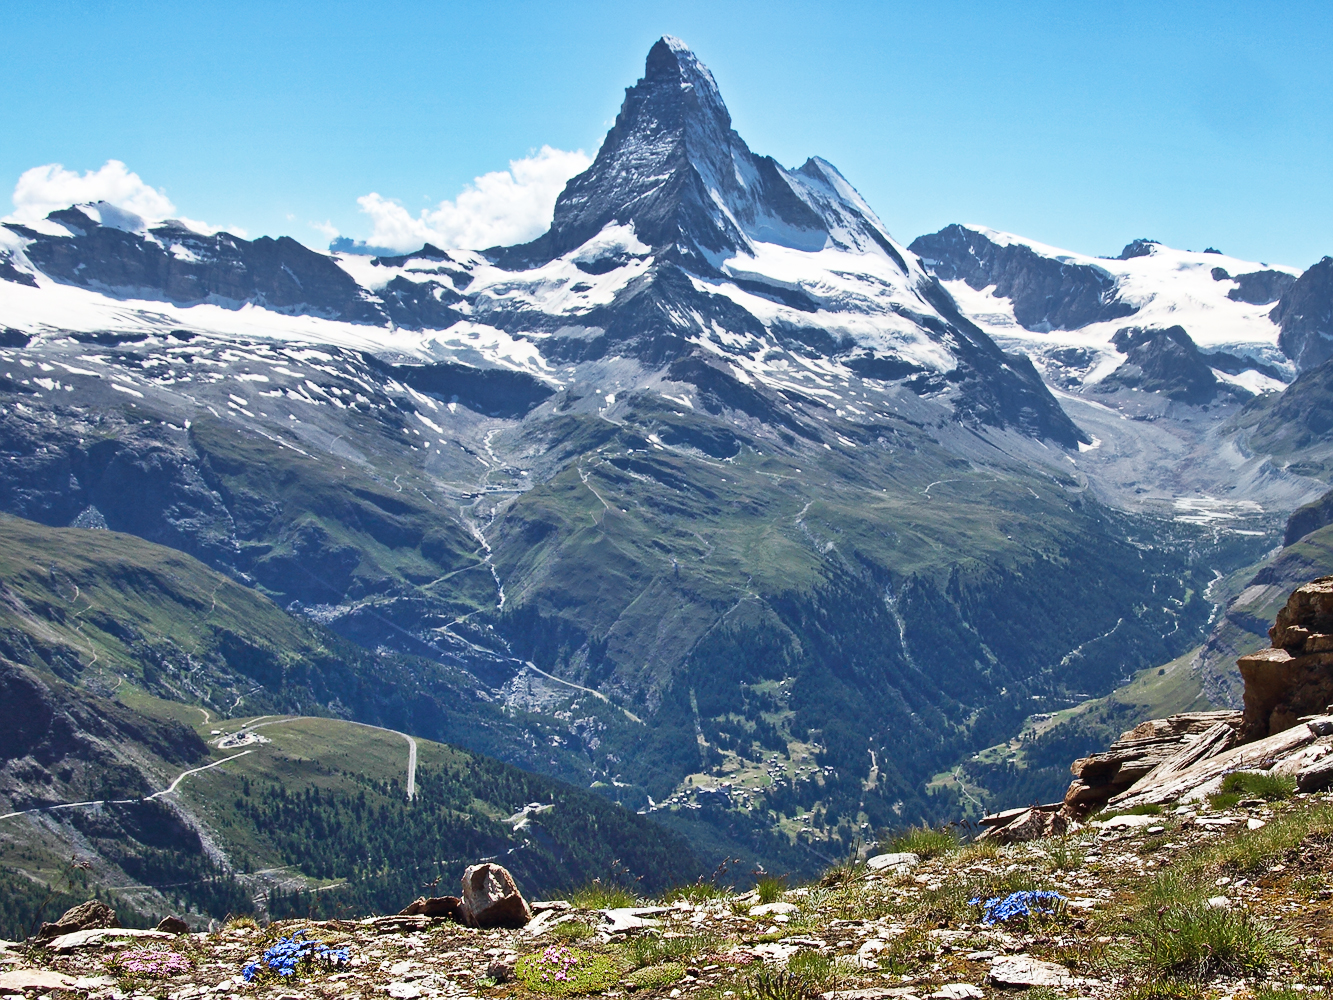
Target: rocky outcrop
1305	314
1286	728
1165	361
92	915
491	899
1047	294
1294	677
1032	823
1144	749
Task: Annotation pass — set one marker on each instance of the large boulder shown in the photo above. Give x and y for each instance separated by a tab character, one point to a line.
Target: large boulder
491	899
1293	678
92	915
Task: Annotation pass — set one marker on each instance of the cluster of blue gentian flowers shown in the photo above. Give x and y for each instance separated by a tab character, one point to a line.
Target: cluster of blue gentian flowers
287	954
1002	909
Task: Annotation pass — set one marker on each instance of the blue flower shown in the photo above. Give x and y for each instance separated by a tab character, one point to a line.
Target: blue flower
1016	905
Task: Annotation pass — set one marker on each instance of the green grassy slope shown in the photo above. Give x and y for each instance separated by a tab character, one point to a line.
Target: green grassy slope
118	658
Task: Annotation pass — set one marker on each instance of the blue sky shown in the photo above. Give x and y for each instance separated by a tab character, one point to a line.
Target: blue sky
1078	125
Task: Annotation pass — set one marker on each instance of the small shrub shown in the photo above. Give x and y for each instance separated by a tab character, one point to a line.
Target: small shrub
1279	993
656	976
923	842
595	895
244	922
561	971
767	984
770	887
1196	942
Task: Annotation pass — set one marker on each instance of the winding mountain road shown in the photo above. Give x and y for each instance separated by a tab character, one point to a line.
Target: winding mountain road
411	768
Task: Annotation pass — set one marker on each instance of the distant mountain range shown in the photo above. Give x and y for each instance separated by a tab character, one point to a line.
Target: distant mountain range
714	498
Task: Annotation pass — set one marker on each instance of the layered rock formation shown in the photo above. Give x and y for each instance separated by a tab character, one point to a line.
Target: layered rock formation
1286	728
1294	677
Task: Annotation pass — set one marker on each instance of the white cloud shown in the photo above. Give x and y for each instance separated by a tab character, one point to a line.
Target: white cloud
45	189
502	207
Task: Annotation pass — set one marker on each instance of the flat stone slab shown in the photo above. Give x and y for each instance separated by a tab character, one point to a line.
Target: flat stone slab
629	918
957	991
874	993
1127	822
45	979
899	861
772	909
1024	970
100	936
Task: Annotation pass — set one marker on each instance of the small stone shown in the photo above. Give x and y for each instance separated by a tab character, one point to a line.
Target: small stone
173	925
1219	903
957	991
1255	824
769	909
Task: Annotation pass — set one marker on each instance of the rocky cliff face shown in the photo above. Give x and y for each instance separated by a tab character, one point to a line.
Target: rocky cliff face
1047	293
1305	315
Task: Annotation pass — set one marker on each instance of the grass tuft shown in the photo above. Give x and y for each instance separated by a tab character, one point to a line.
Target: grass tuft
770	887
768	984
596	895
654	977
923	842
1196	942
642	952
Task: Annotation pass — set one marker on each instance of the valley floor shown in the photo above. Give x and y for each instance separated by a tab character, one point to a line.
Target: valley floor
1227	900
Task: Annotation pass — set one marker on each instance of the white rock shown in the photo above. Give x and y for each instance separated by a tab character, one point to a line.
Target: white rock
403	991
628	918
769	909
903	860
101	935
1219	903
1127	822
1254	824
957	991
1024	970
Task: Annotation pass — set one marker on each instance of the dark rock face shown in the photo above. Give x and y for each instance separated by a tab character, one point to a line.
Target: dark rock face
496	392
1308	518
8	272
1305	314
1165	361
1298	418
1256	287
183	266
671	144
1138	248
1047	294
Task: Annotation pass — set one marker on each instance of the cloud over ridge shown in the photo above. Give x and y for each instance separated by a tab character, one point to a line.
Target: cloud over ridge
500	207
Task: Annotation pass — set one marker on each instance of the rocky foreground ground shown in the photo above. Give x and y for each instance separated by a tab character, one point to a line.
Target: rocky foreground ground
1214	899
